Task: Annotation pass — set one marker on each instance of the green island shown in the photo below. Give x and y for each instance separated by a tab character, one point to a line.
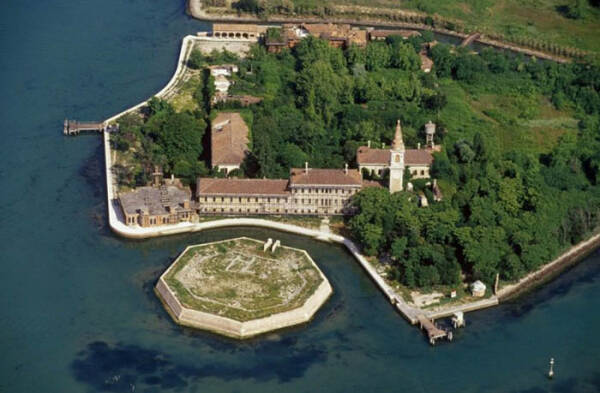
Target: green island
518	168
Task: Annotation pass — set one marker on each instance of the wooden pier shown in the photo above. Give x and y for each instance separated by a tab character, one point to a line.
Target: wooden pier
74	127
433	332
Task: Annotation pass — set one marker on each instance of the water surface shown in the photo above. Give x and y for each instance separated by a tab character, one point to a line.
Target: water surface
77	310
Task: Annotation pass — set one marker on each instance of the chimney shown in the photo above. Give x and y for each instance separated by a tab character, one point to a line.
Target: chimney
306	167
369	144
346	168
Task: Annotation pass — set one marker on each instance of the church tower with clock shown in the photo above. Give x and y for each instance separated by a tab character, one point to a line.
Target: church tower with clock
397	161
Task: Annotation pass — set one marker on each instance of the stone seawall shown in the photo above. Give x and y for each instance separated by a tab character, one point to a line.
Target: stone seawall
186	46
238	329
549	270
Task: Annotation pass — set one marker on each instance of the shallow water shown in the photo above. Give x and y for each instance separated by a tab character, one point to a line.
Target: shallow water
78	312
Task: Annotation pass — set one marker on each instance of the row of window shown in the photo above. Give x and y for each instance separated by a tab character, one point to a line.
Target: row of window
274	211
323	191
242	200
413	172
267	200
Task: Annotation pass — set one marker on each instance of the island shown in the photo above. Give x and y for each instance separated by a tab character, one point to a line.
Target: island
456	178
242	287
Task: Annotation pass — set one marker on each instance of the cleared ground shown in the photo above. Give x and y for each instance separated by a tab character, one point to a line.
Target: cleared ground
238	280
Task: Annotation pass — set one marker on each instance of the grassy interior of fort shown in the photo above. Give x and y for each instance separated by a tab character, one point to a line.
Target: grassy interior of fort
236	279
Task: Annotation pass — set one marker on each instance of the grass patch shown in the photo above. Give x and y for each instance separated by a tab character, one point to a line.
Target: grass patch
237	280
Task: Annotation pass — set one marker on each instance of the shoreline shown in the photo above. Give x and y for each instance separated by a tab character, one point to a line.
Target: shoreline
408	311
194	9
550	270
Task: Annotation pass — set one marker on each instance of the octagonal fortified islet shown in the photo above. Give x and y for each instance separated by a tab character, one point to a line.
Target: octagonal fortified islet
242	287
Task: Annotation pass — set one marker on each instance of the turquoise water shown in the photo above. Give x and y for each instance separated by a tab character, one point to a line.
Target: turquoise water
77	309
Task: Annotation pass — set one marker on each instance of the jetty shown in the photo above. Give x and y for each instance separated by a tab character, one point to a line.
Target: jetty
74	127
433	332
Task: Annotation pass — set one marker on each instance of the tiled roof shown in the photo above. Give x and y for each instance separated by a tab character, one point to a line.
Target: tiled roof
366	155
229	139
418	157
235	27
212	186
299	176
151	200
371	183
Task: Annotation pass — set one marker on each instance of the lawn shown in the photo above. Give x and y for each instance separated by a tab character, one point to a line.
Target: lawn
523	122
238	280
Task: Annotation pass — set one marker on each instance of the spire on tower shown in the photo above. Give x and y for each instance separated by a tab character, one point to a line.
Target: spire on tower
398	143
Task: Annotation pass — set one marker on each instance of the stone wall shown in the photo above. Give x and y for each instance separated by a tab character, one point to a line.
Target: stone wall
238	329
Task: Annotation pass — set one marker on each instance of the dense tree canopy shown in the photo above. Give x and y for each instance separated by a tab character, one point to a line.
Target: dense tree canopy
505	211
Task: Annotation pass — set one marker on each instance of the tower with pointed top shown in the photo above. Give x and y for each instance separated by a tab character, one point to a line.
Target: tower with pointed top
397	161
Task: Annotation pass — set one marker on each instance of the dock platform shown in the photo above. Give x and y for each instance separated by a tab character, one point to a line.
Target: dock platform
74	127
433	332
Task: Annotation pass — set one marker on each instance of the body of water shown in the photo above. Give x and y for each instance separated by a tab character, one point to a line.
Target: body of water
77	310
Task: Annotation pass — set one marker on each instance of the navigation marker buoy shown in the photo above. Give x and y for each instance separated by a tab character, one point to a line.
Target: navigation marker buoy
551	372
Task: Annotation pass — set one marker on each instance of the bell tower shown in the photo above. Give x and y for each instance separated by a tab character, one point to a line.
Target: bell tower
397	161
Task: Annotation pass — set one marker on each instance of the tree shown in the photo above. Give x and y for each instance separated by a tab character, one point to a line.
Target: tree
469	67
378	56
443	60
577	10
196	59
403	56
252	6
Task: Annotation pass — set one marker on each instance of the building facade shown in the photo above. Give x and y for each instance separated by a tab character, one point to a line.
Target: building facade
239	31
338	35
308	191
398	158
154	206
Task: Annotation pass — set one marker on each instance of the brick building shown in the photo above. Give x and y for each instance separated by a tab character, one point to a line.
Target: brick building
228	141
153	206
308	191
338	35
418	161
